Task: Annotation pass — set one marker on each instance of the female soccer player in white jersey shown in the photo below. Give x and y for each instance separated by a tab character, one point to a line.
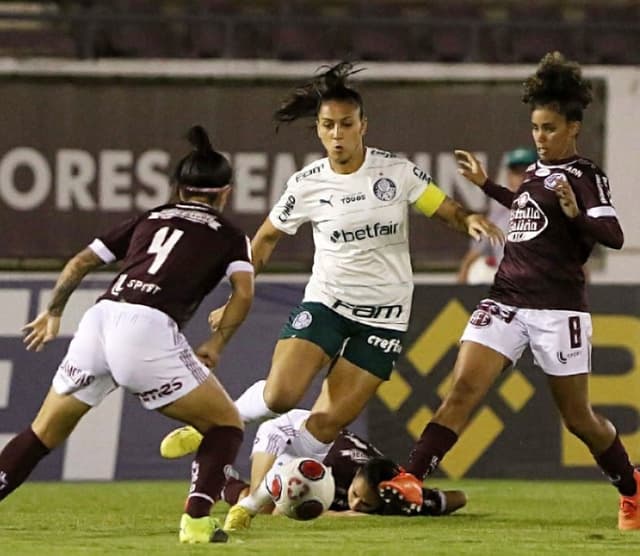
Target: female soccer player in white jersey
357	302
172	257
538	298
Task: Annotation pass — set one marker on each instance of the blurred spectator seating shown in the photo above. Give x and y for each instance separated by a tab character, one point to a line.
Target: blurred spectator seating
137	29
209	28
454	31
613	32
537	28
298	34
40	32
450	31
378	32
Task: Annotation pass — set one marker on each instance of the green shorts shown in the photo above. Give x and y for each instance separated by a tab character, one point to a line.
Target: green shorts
371	348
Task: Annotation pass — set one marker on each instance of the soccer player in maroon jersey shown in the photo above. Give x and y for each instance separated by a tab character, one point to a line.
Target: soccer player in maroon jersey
357	467
172	257
538	298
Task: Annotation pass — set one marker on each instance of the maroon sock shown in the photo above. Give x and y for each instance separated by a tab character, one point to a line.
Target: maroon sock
430	448
232	489
18	460
615	464
218	448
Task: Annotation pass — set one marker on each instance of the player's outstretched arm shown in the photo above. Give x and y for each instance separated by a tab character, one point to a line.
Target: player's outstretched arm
470	167
233	314
46	325
475	225
262	245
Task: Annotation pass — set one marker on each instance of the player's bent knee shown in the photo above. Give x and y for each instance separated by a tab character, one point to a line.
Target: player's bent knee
580	426
278	401
324	426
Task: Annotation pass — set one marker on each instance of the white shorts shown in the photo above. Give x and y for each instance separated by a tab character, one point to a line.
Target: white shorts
559	340
133	346
274	435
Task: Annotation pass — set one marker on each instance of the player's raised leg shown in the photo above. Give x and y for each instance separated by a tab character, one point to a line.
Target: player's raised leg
185	440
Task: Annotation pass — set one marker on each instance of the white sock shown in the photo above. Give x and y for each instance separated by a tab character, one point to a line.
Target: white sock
260	497
256	500
251	404
307	445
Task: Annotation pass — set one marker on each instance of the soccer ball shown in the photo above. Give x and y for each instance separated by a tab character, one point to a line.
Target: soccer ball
302	488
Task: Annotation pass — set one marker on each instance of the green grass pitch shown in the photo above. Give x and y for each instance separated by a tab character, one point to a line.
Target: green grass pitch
502	517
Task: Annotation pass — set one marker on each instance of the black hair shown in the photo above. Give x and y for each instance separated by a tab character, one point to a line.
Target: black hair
305	100
376	470
203	170
558	82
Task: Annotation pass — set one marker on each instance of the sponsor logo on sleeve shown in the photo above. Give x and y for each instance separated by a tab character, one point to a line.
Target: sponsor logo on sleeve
421	174
289	205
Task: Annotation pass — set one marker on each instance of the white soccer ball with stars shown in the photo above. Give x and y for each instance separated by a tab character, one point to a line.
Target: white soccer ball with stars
301	489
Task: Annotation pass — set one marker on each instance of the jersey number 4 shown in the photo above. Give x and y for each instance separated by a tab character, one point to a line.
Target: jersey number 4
164	240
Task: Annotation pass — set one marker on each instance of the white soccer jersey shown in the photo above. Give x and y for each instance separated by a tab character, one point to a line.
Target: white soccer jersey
360	221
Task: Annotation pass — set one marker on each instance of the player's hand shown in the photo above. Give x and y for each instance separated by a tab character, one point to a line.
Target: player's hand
215	317
566	197
40	331
469	167
208	355
479	227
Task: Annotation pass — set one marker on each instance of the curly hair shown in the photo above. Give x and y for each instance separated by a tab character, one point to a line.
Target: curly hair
558	82
305	100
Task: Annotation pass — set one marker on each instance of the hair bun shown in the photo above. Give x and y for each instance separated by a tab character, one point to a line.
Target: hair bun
198	138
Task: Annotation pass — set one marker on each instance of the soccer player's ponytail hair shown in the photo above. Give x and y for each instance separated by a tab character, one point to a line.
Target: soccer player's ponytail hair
203	170
305	100
558	82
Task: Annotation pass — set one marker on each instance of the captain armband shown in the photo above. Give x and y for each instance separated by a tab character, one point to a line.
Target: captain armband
430	200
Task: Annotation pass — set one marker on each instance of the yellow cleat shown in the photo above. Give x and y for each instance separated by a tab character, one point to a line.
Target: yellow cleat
180	442
237	519
200	530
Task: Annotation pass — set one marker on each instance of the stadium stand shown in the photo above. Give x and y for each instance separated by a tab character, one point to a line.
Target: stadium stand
490	31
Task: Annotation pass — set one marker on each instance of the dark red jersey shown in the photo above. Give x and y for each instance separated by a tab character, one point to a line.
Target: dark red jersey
546	250
172	257
348	453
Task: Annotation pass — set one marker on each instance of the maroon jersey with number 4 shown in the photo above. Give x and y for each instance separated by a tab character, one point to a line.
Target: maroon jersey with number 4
173	256
546	250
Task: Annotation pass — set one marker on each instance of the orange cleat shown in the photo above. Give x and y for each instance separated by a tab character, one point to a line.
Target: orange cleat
629	513
402	493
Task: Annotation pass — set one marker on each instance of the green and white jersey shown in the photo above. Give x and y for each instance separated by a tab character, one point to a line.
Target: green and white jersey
361	266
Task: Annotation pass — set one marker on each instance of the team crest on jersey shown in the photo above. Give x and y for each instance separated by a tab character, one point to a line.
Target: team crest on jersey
527	220
552	181
302	320
384	189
